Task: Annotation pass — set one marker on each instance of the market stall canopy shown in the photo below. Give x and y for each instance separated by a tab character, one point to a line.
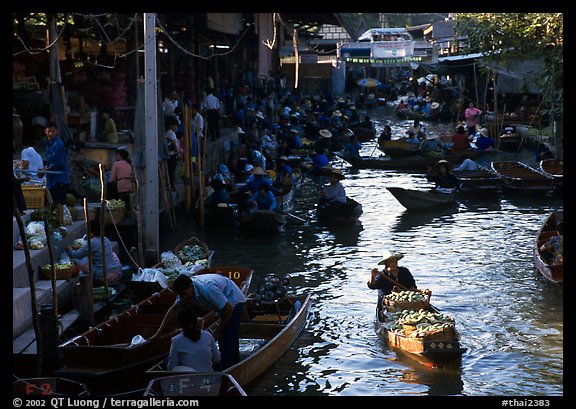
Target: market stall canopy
368	82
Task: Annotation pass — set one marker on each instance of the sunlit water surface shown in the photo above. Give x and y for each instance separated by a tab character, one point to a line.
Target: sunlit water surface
476	258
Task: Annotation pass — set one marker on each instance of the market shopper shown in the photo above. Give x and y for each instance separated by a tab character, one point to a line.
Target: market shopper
58	175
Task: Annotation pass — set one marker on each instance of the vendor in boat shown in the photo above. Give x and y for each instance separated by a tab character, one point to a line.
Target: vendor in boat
211	292
391	276
460	139
263	199
441	175
334	194
483	141
386	134
553	250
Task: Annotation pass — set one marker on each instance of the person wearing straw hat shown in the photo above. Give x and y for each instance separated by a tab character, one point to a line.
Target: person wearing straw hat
442	177
483	141
391	276
334	193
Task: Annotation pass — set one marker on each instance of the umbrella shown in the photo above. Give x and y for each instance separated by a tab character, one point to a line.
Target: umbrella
368	82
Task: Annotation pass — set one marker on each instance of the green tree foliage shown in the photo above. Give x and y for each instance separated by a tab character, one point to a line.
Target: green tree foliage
502	36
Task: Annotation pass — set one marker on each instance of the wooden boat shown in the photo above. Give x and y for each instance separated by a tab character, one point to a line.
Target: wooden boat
552	272
407	113
344	214
441	350
412	162
363	133
398	148
480	180
195	384
555	169
106	357
417	200
267	330
262	221
48	386
510	142
518	177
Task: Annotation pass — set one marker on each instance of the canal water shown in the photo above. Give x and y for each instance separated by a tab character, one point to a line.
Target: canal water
476	258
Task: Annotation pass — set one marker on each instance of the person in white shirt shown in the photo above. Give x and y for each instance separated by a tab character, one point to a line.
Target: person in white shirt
211	106
32	161
170	104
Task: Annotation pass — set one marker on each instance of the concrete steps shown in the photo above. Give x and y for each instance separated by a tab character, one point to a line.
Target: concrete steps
21	296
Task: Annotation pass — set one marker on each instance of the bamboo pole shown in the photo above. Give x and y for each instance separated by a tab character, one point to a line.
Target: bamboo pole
102	227
32	286
139	223
90	284
52	268
201	160
187	161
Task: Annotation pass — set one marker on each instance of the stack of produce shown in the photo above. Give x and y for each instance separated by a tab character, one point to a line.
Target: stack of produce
421	324
192	254
407	300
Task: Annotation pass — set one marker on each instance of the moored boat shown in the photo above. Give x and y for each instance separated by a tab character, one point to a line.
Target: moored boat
555	169
48	386
267	330
195	384
480	180
115	354
552	270
518	177
412	163
418	200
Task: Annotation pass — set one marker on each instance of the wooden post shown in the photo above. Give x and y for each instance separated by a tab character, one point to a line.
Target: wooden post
201	160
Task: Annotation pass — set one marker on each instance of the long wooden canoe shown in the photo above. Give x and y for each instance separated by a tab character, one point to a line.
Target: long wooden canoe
555	169
267	331
413	162
480	180
417	200
553	272
262	221
107	359
195	384
398	148
520	178
441	350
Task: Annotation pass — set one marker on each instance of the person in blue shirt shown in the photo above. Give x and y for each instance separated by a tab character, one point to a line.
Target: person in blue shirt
220	194
56	159
263	199
113	265
214	292
320	160
284	176
484	142
352	148
543	152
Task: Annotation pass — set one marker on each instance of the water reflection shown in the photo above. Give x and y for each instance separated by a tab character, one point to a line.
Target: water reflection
409	220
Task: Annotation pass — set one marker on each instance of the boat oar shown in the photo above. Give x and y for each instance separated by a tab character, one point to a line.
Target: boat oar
291	215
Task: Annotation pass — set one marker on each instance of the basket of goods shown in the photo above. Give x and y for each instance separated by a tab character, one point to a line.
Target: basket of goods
115	211
34	196
192	251
407	300
423	325
62	270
